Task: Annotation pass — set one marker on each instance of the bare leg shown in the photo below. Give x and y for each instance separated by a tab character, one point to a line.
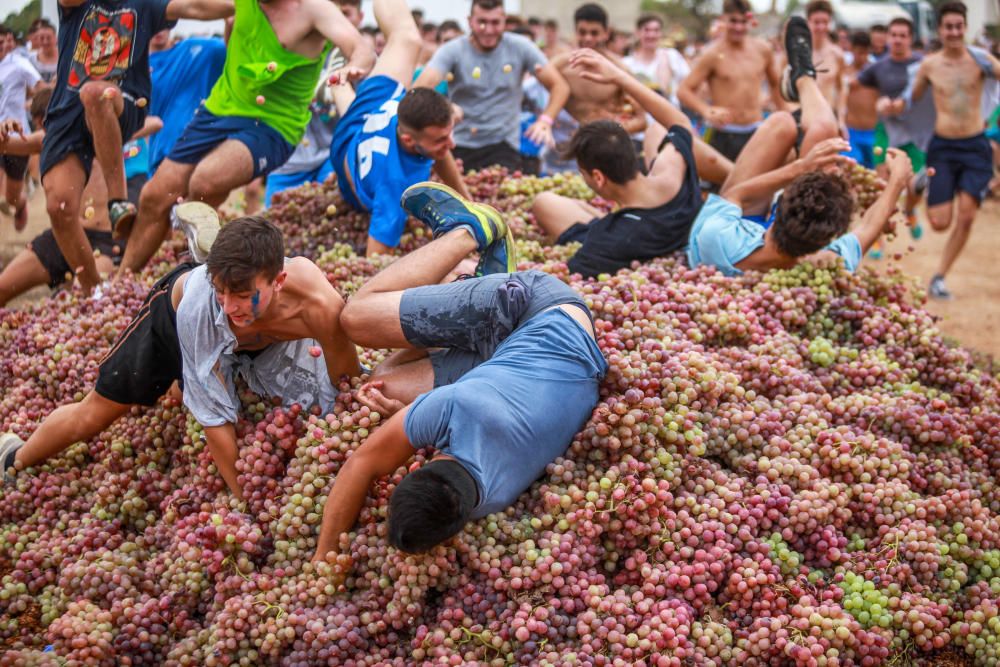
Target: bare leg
253	194
64	185
24	272
228	166
153	222
967	207
712	165
371	316
14	194
766	151
405	374
555	213
75	422
402	41
818	120
102	114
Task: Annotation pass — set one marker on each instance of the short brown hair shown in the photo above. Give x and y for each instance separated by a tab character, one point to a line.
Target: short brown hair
819	6
487	5
902	20
244	249
814	210
423	107
736	7
647	18
953	7
606	146
40	102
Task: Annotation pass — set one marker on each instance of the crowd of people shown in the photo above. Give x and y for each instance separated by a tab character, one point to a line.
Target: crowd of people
732	153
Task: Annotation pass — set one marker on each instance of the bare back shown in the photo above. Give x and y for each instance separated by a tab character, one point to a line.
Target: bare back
957	84
736	76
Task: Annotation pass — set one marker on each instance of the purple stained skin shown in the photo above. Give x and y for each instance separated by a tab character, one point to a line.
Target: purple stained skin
255	303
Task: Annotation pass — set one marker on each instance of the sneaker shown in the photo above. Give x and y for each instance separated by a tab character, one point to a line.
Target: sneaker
875	252
798	49
916	230
442	209
499	257
920	181
200	224
9	444
938	290
122	213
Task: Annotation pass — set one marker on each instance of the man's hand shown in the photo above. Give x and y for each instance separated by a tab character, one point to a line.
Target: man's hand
595	67
718	116
9	127
370	395
457	113
540	132
348	74
826	154
898	163
885	106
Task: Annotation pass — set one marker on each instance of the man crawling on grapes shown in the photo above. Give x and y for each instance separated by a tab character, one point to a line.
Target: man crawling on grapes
747	229
497	373
247	311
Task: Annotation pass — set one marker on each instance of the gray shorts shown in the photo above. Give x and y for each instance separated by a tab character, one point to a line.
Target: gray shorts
469	319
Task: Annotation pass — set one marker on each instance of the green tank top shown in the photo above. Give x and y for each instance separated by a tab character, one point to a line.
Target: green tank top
263	80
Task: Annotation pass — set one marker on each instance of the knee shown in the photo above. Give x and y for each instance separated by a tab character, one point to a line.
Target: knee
782	124
203	186
158	195
92	94
60	208
353	316
543	204
409	35
939	221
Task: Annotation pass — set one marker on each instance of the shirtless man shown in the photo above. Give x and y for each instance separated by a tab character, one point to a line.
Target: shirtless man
248	311
858	109
959	153
255	115
735	67
828	57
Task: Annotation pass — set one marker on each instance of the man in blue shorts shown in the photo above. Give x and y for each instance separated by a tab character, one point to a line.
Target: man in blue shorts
496	373
99	101
743	230
389	137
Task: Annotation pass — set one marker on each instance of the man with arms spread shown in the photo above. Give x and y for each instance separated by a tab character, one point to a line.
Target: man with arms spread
99	101
249	310
388	138
255	115
959	153
656	209
735	67
512	376
741	230
485	70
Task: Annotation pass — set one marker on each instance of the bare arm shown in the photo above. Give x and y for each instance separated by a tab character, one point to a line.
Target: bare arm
222	446
21	144
773	73
385	450
323	322
921	82
152	125
876	218
687	92
330	22
541	131
199	10
447	170
429	78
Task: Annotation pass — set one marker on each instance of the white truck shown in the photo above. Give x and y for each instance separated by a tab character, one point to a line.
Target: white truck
863	14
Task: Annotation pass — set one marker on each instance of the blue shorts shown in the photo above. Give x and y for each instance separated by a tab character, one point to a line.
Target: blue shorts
862	146
765	221
67	134
280	182
371	94
205	131
959	165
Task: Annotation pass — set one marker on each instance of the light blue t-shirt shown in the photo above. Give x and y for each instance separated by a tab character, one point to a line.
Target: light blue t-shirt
722	237
512	415
136	153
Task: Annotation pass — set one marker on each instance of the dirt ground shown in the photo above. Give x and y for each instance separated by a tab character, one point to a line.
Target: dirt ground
972	317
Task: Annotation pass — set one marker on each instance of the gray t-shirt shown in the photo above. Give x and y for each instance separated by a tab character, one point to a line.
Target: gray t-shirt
487	85
891	78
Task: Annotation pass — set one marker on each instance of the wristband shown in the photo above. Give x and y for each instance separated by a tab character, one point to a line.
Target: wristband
545	118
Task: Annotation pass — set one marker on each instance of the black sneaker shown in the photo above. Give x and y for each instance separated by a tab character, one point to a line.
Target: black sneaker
798	50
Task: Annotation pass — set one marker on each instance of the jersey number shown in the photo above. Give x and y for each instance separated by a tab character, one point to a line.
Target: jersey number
375	122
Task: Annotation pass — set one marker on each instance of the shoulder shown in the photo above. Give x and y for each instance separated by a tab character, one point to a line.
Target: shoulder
521	43
309	282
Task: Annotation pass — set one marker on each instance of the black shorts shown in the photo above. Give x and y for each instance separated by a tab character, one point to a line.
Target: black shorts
134	186
729	143
960	165
146	358
15	166
47	250
501	154
630	234
66	133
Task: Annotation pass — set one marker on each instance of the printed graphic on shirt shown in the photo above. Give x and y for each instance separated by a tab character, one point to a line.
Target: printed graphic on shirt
104	47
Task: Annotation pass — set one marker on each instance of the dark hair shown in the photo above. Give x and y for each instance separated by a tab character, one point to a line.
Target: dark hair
40	102
591	12
4	30
606	146
421	108
814	209
368	30
646	18
551	24
428	27
430	505
487	5
818	6
38	24
861	38
448	25
902	20
736	7
534	20
523	31
878	27
953	7
244	249
352	3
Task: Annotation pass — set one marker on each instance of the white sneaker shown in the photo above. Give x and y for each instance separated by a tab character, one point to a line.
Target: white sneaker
200	224
9	442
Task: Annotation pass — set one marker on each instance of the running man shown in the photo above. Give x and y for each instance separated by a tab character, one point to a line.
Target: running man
743	230
249	311
858	110
18	81
256	113
959	153
497	373
827	55
389	138
735	67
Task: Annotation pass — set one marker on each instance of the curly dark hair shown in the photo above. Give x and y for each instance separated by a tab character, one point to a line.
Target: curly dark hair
814	210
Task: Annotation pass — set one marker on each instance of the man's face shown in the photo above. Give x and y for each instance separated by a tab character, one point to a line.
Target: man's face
243	307
900	41
45	38
649	34
590	34
860	55
951	31
433	141
353	14
736	25
819	25
487	26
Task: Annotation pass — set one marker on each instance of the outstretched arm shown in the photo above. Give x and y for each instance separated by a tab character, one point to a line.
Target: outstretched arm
332	24
920	83
541	131
385	450
876	218
199	10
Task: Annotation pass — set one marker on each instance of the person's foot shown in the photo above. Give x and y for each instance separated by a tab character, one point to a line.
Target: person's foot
442	209
920	181
122	213
499	257
875	252
200	224
916	230
21	217
938	290
798	49
9	444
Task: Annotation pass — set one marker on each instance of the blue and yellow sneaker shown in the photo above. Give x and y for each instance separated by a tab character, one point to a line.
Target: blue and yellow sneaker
499	257
442	209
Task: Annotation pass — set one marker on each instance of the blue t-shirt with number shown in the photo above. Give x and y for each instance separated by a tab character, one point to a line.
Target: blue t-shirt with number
378	169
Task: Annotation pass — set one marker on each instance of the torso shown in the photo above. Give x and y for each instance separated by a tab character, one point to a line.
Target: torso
588	100
829	61
736	77
957	85
293	26
860	102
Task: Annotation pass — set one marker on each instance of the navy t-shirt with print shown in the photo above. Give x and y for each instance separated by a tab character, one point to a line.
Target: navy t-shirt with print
105	40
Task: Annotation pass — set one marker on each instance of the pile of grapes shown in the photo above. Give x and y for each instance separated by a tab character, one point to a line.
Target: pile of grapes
783	469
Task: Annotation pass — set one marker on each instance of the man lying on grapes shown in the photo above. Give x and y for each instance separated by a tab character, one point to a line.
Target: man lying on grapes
247	311
497	373
656	209
742	230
